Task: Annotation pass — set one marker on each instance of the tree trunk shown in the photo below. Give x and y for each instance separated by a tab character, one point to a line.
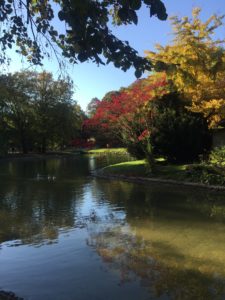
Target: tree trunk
24	143
43	145
150	158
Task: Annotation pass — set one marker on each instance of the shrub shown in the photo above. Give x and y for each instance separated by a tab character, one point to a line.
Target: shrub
217	157
136	150
205	173
179	135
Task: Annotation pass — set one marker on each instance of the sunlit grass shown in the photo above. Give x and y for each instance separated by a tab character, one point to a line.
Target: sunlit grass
163	170
130	168
139	168
108	151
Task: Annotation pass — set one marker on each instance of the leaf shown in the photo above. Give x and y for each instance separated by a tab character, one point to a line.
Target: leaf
82	56
133	16
138	73
135	4
123	14
158	9
61	15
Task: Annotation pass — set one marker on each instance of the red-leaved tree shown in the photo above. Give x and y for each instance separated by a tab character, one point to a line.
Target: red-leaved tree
128	114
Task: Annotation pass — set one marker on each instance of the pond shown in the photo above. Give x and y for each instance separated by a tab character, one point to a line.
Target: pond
67	235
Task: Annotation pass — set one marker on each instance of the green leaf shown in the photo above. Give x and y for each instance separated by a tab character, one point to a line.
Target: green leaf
133	16
135	4
123	14
138	73
82	56
158	9
61	15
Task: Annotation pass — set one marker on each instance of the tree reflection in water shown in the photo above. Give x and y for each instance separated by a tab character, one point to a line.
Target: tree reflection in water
175	246
172	239
161	268
34	208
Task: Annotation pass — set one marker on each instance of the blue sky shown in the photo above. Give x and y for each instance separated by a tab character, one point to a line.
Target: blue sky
93	81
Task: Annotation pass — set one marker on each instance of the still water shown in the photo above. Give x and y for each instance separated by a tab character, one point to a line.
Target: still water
66	235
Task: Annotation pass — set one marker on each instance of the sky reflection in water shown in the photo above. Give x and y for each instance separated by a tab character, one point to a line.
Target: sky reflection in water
65	235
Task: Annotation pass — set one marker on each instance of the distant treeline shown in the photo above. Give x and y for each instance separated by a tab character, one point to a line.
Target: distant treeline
37	113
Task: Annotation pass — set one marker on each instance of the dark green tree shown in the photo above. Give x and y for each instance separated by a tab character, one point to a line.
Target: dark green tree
16	110
67	123
37	112
47	95
179	134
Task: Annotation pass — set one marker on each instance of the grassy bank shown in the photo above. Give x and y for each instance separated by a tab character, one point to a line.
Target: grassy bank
108	151
196	173
139	168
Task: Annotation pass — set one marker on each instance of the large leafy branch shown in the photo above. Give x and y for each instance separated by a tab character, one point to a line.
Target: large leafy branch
32	25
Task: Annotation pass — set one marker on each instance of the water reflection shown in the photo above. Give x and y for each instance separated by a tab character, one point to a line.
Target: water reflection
173	241
157	239
34	207
162	268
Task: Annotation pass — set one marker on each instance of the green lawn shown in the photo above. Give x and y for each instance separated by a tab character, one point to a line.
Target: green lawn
139	168
130	168
108	151
200	173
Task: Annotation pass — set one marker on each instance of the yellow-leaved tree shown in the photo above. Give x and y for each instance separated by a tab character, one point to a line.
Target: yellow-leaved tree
195	63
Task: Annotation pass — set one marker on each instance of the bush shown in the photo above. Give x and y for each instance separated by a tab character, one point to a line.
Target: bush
179	135
135	150
217	157
211	171
205	173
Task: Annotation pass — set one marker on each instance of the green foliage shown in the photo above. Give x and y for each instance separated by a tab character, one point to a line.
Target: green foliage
177	133
205	173
217	157
16	110
37	112
211	171
136	150
30	26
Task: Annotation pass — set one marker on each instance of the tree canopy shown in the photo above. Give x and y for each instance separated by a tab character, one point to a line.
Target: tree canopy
32	25
150	118
37	112
195	62
127	116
